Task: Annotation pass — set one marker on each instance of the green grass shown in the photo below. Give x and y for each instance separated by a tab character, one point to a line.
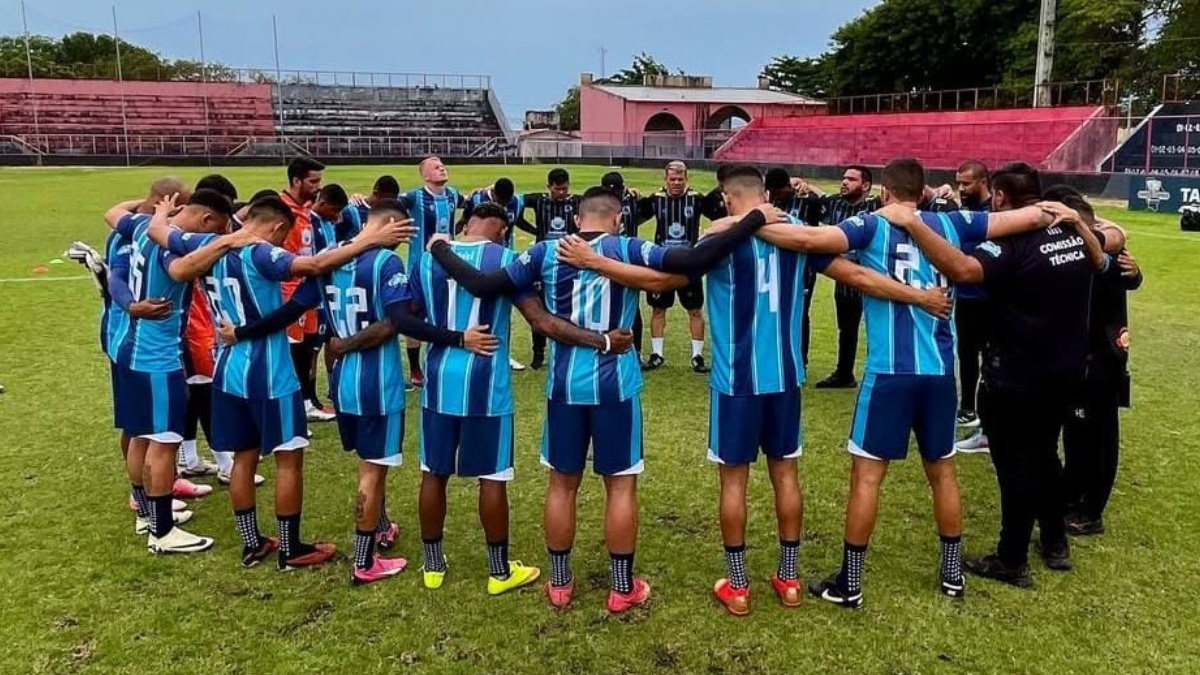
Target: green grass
80	593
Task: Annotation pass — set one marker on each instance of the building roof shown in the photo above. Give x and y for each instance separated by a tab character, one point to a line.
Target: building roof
733	95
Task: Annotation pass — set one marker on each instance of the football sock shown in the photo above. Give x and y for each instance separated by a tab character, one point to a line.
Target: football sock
435	559
161	517
560	567
735	566
498	559
951	558
789	552
620	567
224	462
385	523
697	348
186	456
849	579
289	535
656	346
139	498
247	527
364	549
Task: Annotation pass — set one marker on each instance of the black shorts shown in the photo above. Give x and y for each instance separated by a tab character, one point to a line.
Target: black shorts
690	296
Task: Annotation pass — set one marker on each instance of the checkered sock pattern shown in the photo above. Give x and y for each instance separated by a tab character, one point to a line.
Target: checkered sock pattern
385	523
247	527
161	517
735	566
435	559
139	498
951	558
289	535
620	567
498	559
789	553
364	547
560	567
850	578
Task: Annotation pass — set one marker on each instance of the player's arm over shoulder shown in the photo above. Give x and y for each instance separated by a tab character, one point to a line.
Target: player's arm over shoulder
852	234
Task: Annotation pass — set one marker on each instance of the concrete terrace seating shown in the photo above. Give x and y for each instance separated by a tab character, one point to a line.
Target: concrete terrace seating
400	113
938	139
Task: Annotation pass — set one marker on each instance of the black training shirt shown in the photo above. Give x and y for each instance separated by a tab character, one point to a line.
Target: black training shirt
1039	284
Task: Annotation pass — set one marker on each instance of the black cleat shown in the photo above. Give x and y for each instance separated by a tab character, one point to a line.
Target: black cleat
954	589
1057	556
655	362
1079	525
828	590
698	365
991	567
967	419
253	556
838	380
539	360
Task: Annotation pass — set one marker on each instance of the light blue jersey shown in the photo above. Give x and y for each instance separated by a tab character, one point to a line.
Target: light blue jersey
458	382
582	375
114	320
904	339
327	234
513	209
755	303
151	346
431	214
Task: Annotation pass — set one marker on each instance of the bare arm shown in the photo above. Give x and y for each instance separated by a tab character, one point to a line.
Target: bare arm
116	213
370	337
1114	236
388	234
808	239
1007	223
934	301
555	328
573	251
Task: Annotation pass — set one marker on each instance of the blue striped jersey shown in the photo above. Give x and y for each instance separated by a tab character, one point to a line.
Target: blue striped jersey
243	287
114	321
327	234
151	346
904	339
458	382
755	303
515	208
352	297
431	214
582	375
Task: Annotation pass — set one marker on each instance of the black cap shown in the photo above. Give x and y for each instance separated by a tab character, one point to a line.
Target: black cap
613	180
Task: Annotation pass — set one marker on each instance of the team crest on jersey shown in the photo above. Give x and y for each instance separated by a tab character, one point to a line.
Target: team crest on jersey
397	279
688	212
569	208
625	210
675	231
443	224
512	215
990	248
306	237
558	223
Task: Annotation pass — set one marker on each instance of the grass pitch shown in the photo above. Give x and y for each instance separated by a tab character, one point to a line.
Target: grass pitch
81	595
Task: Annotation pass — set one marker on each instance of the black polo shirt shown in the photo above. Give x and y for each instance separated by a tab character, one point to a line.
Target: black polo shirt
1039	285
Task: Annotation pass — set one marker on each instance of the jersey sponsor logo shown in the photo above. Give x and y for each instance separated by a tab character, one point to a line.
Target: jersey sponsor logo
397	279
675	231
990	248
558	223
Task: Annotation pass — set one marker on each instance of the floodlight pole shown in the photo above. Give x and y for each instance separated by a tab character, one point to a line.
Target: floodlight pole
37	127
1045	54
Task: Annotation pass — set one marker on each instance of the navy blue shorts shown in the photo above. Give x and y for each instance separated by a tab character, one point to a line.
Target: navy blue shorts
739	426
612	430
374	438
476	446
889	406
264	424
150	405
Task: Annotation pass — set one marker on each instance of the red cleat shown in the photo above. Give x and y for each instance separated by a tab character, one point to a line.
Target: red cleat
620	602
736	600
186	489
790	592
382	569
309	555
387	538
560	596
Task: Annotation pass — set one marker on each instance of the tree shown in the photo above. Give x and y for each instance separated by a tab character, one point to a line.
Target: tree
568	110
87	55
807	77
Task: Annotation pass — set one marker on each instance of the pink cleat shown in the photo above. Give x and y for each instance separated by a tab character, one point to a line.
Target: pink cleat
186	489
387	538
382	569
560	596
619	602
176	505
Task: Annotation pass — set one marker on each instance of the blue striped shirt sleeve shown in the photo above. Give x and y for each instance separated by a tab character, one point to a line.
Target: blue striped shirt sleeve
859	230
526	270
393	282
308	293
272	262
972	227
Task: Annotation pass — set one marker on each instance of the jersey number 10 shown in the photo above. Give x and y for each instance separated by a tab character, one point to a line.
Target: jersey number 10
590	306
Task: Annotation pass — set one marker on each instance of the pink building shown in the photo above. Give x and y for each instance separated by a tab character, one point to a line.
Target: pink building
678	112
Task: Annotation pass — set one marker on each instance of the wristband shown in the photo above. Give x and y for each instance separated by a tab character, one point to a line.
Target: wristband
607	344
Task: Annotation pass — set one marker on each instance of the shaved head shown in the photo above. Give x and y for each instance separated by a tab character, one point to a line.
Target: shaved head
167	186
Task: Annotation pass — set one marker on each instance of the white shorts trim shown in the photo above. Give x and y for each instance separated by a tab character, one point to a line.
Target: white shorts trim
297	443
199	379
712	457
795	454
164	437
856	449
501	477
633	470
395	460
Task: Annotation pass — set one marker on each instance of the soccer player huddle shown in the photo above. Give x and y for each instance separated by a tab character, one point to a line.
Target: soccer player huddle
216	310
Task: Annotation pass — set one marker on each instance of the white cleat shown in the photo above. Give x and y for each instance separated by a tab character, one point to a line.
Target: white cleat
178	541
224	479
976	443
515	364
315	414
142	525
201	469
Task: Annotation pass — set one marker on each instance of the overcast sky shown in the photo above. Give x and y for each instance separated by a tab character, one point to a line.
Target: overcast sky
533	49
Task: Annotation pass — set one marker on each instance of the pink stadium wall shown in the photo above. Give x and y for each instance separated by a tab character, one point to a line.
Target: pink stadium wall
938	139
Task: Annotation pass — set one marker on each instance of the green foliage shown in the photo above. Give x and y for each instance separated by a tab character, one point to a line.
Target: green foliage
88	55
568	110
807	77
